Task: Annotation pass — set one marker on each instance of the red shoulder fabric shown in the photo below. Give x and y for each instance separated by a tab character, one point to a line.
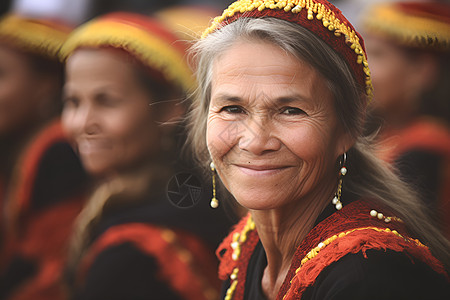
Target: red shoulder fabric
350	230
185	263
224	251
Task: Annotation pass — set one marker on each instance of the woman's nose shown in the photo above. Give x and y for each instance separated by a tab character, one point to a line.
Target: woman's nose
257	136
86	120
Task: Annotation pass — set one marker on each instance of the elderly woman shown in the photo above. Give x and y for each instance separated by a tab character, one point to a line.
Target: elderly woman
284	86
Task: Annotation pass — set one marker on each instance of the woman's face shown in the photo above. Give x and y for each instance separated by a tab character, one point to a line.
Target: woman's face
20	92
272	131
107	113
392	74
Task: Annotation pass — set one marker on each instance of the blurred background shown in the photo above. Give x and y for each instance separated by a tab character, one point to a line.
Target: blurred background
76	12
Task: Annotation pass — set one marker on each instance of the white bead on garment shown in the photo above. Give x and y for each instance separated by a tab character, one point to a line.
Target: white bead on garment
380	216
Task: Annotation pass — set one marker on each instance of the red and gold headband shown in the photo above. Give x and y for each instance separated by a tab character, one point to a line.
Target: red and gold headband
146	40
36	36
411	24
318	16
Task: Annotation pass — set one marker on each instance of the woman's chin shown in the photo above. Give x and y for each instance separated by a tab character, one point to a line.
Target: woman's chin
258	200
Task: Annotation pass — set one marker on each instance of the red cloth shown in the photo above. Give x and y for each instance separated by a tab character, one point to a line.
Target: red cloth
369	233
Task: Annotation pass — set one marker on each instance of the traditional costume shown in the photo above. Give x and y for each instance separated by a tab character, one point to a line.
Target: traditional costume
349	254
45	189
359	251
145	248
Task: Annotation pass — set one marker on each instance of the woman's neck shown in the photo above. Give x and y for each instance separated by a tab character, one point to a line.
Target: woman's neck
281	231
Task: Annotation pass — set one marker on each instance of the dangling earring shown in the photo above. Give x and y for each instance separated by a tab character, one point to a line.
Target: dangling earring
214	202
337	197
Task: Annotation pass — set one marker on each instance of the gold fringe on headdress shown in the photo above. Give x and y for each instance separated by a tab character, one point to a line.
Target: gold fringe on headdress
329	17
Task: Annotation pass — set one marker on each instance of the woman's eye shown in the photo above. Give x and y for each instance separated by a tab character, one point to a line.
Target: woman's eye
293	111
70	101
233	109
106	100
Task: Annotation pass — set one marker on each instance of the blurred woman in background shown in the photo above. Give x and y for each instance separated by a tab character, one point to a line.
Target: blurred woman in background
408	46
41	179
123	98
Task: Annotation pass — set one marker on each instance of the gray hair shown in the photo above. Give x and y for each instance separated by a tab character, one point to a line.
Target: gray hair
368	176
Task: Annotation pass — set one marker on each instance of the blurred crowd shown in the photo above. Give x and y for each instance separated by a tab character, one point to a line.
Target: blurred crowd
83	217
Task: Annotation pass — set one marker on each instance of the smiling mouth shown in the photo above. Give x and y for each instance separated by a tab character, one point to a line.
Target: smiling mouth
90	146
260	170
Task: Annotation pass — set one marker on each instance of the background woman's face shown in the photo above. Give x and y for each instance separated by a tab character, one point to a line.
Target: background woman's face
107	113
272	131
393	75
20	92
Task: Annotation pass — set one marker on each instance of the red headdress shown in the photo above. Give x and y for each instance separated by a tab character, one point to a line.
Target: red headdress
411	24
318	16
145	39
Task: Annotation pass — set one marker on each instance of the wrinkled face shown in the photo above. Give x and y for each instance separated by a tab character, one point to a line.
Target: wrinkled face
391	71
107	113
272	131
19	92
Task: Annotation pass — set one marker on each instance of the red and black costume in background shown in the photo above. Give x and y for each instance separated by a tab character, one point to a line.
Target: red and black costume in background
38	207
421	152
150	249
347	255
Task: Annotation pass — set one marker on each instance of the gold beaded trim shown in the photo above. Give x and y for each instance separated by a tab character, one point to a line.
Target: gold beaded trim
407	29
313	253
237	240
327	16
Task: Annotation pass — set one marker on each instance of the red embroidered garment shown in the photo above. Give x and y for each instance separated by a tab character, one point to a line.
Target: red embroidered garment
351	230
184	262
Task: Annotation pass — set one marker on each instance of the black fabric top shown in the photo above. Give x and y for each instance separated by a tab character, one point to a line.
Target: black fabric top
125	272
60	176
382	275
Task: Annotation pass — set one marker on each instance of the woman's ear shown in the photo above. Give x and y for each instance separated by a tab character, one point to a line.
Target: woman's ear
345	142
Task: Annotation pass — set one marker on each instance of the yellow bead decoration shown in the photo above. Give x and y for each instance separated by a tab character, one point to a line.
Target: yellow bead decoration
237	240
323	14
